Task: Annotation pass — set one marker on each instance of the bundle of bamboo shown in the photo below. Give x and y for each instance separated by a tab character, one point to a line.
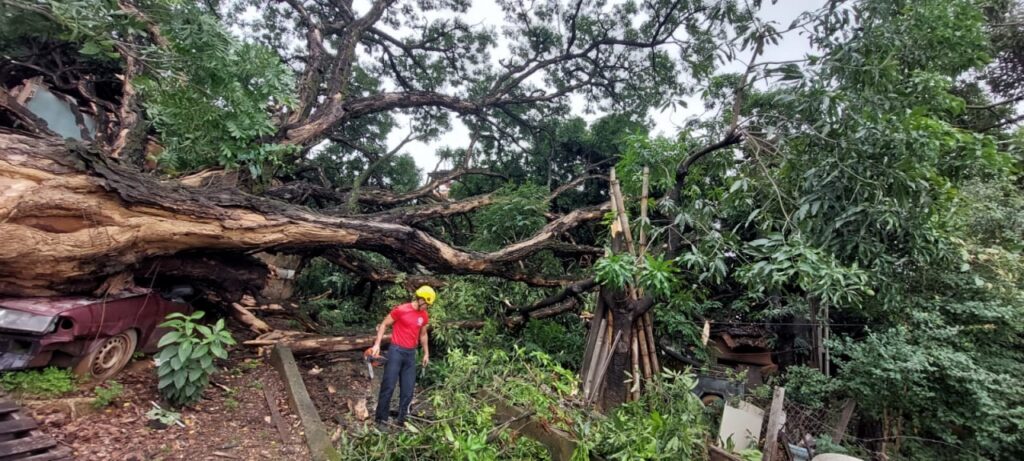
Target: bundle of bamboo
601	345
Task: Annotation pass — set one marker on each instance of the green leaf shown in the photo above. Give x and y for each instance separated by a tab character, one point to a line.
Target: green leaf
168	338
200	351
205	330
218	351
185	351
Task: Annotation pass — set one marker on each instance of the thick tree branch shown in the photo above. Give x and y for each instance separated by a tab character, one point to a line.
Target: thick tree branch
341	74
312	77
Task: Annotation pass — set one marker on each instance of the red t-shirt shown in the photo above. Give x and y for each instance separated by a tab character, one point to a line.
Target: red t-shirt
408	321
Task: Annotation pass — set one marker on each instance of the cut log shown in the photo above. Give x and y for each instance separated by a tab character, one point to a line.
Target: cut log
246	318
72	217
308	344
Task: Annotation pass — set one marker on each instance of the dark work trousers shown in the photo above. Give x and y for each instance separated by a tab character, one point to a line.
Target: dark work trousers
401	368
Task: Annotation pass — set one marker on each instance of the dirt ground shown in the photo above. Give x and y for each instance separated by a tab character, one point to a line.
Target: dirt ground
337	383
231	423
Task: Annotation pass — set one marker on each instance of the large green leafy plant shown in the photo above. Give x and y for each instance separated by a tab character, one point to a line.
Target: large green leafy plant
185	360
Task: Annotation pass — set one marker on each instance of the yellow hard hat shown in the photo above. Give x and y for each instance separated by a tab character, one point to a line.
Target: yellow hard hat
426	293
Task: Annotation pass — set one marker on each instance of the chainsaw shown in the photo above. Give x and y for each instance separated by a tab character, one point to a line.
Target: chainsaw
373	361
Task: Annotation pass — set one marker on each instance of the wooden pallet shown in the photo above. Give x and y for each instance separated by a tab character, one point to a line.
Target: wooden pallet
21	439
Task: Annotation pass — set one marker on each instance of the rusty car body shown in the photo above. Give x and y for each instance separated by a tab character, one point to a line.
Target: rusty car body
96	336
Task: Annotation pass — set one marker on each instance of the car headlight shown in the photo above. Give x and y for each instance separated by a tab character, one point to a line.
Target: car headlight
26	322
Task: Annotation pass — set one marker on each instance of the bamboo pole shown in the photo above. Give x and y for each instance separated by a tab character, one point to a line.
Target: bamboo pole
645	353
643	209
635	355
652	344
596	332
603	369
619	206
594	360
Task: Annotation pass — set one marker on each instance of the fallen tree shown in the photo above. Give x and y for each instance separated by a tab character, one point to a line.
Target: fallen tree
72	218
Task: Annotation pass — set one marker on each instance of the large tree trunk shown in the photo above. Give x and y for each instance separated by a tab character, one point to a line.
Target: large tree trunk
71	218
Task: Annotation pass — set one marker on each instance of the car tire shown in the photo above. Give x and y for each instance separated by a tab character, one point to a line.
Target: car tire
710	399
106	360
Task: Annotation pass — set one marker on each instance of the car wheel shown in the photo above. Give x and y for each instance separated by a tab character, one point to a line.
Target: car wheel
710	399
109	358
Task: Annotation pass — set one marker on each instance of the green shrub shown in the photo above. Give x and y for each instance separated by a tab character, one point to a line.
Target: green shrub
107	394
666	423
48	382
464	420
808	386
564	344
185	361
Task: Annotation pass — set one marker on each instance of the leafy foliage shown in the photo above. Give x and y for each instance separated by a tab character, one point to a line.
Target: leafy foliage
48	382
666	423
107	394
615	270
563	343
464	420
208	94
518	212
187	352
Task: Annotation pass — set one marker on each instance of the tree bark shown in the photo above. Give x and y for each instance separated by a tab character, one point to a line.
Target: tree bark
72	217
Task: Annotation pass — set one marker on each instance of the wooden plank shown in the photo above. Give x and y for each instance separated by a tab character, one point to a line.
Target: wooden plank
275	415
17	425
57	454
718	454
319	443
560	444
776	419
844	420
26	445
7	406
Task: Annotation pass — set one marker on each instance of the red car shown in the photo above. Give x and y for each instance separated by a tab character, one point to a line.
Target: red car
95	336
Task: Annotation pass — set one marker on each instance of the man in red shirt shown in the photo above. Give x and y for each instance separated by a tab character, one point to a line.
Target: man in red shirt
409	321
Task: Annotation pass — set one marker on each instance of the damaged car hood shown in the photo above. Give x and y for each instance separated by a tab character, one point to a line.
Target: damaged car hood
38	315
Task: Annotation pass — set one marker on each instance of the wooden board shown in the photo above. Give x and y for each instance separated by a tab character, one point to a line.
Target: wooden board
7	406
26	445
60	454
17	425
